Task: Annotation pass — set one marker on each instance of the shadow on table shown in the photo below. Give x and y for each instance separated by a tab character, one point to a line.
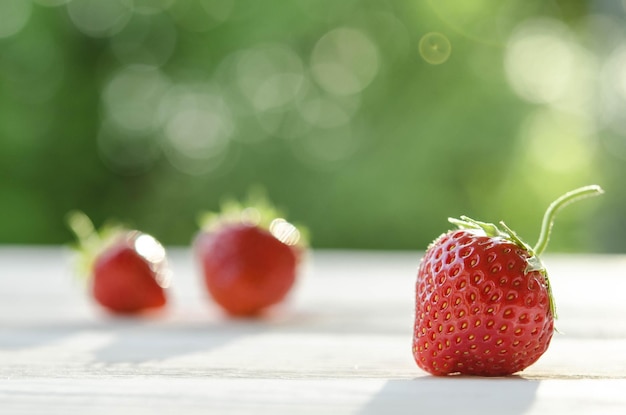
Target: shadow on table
454	395
109	339
16	338
138	340
131	340
139	343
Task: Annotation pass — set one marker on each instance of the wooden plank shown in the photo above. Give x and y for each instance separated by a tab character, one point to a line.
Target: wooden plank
342	344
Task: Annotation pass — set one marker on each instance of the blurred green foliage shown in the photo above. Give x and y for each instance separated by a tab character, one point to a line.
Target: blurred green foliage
369	121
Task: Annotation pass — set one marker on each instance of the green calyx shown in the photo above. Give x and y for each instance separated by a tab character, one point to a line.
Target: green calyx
492	230
256	211
89	241
503	231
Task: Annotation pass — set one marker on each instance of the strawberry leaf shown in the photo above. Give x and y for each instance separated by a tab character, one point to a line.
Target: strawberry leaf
533	261
257	210
90	242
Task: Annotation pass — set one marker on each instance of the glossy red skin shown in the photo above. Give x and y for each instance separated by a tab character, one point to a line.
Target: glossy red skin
245	268
124	282
477	312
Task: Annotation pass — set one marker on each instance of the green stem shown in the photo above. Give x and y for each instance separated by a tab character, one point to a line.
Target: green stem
548	217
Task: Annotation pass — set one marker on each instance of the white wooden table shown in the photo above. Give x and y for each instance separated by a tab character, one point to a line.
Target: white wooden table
342	344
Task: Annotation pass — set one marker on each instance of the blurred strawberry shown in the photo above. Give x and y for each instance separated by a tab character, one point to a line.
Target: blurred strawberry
127	269
249	256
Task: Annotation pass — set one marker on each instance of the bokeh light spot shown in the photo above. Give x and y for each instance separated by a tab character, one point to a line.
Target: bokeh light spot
328	111
612	108
262	86
560	142
344	61
14	14
146	39
197	128
540	60
152	6
99	18
277	91
435	48
616	72
327	10
487	21
51	3
220	11
326	149
286	124
131	97
269	76
197	132
202	15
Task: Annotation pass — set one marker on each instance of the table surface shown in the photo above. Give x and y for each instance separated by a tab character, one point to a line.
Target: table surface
341	344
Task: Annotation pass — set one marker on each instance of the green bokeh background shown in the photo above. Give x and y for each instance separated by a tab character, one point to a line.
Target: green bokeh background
151	112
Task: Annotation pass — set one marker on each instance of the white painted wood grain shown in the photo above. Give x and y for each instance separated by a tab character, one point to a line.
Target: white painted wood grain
342	344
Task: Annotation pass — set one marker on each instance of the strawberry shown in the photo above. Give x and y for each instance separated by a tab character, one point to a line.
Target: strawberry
484	305
128	269
249	257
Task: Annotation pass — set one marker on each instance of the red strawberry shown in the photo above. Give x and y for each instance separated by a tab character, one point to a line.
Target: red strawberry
128	268
249	258
483	300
